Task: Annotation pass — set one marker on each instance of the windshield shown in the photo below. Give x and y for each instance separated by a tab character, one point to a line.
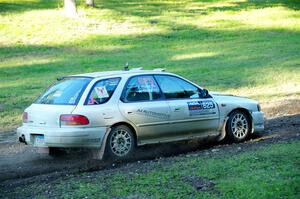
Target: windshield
64	92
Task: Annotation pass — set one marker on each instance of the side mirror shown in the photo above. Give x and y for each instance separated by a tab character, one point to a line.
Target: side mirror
204	93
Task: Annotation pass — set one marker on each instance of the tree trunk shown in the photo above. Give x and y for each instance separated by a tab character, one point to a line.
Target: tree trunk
70	8
90	3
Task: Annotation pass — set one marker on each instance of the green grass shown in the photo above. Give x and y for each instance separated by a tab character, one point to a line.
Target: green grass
270	171
249	48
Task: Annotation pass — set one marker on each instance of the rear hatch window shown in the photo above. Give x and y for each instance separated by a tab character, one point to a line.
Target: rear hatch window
65	92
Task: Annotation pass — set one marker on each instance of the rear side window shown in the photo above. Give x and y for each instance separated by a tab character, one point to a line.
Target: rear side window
176	88
102	91
65	92
142	88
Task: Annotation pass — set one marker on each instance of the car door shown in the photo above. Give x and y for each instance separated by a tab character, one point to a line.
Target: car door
142	104
190	114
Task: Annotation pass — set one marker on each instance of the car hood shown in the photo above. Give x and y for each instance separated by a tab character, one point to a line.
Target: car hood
219	97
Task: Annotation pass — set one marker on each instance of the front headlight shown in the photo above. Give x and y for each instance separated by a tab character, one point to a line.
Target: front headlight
258	107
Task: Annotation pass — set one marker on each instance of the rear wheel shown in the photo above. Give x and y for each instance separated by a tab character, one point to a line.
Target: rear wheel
120	143
238	126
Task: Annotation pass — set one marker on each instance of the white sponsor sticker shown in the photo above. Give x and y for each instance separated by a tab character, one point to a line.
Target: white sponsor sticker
101	92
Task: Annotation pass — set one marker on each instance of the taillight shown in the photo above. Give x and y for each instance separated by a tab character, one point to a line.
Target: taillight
73	120
25	117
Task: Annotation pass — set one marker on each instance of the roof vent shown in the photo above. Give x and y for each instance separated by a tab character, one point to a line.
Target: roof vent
159	69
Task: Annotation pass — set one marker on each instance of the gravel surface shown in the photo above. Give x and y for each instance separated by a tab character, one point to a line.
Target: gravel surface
21	165
20	161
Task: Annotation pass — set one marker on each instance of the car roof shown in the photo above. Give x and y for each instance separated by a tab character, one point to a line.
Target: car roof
134	71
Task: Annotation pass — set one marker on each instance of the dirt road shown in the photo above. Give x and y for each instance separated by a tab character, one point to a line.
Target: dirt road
20	161
21	166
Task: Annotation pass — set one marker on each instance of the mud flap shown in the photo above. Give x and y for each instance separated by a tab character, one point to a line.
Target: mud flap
99	153
223	130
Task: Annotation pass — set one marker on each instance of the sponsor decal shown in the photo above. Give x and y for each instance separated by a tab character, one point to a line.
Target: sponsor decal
201	107
101	92
153	114
147	84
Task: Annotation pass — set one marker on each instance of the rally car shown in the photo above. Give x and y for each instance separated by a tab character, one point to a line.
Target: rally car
120	110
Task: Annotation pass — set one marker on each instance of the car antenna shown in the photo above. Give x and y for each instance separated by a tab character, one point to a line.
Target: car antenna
126	67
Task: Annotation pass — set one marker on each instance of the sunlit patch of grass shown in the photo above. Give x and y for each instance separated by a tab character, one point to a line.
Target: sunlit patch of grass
278	18
110	22
26	61
51	27
265	18
192	56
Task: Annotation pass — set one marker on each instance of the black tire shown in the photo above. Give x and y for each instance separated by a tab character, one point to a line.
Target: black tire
121	143
238	126
55	151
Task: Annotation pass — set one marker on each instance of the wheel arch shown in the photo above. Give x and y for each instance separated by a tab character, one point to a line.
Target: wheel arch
224	132
130	126
243	110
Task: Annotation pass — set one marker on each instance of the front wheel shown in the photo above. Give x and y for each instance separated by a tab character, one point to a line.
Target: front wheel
120	143
238	126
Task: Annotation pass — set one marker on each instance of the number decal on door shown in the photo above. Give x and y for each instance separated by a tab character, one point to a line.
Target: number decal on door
201	107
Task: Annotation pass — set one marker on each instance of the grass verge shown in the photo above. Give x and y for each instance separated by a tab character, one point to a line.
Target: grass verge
269	171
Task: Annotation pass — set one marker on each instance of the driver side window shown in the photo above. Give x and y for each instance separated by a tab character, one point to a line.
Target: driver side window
176	88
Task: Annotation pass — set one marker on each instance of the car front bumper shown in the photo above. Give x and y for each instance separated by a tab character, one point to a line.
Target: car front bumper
62	137
257	121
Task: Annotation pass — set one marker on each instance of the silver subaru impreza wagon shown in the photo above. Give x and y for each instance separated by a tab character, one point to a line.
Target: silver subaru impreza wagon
120	110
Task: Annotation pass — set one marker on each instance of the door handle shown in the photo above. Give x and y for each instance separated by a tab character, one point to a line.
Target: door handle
177	109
